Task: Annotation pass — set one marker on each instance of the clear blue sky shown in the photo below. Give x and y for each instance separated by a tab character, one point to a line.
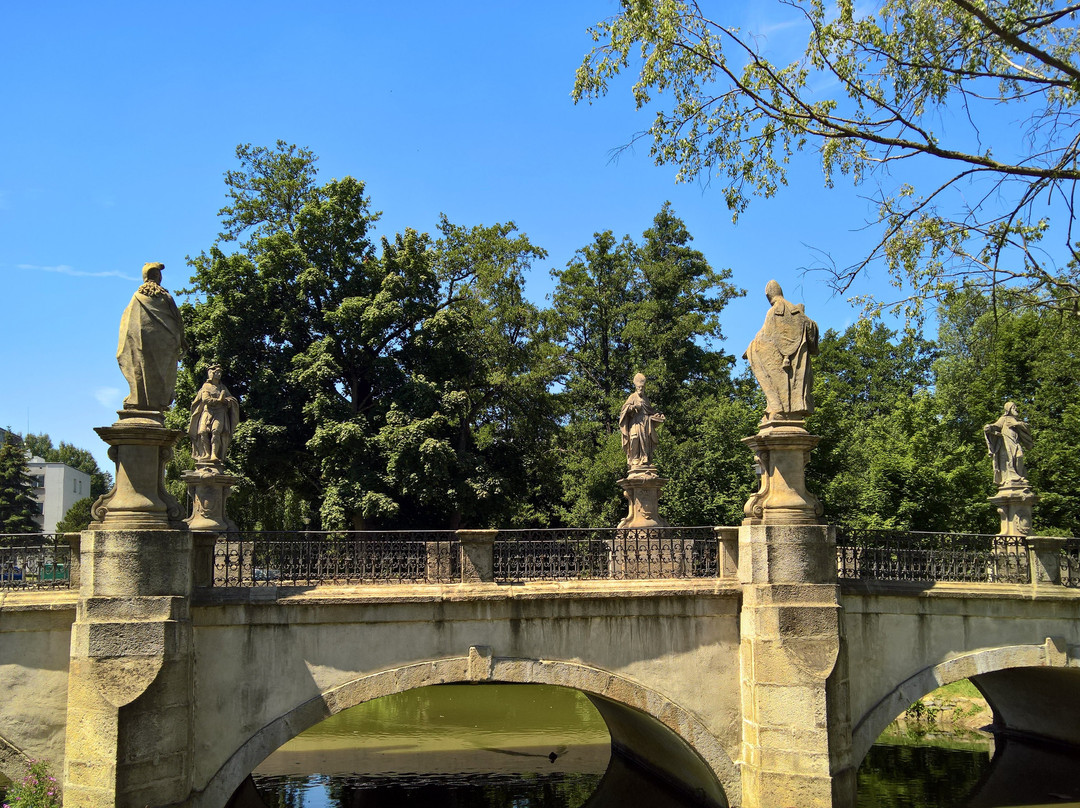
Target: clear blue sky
120	119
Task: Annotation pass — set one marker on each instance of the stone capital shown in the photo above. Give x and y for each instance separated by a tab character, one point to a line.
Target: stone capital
782	450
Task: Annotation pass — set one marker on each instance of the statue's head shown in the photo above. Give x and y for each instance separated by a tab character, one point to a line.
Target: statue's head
213	373
639	382
152	272
773	291
1010	409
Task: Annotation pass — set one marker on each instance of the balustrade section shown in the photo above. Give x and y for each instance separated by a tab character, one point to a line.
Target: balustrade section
892	555
1070	563
309	558
37	560
606	553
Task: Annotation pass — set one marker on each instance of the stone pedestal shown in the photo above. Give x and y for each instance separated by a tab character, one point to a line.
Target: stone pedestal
477	555
1014	504
128	740
642	492
796	724
209	490
141	446
1044	559
782	449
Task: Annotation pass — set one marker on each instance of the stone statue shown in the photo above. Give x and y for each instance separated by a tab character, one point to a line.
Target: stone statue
151	341
214	415
780	355
1006	440
637	421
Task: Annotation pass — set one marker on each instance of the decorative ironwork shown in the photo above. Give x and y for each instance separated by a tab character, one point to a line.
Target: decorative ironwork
1070	563
893	555
307	558
35	561
610	553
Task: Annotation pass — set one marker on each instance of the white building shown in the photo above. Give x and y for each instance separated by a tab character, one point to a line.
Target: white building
57	486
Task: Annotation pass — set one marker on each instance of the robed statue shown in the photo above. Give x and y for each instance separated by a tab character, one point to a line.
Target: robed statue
151	342
780	355
1006	441
214	415
637	423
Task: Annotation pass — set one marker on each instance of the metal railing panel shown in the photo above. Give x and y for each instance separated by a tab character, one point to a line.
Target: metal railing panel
35	561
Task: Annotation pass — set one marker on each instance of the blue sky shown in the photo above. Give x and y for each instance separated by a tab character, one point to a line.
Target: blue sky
120	119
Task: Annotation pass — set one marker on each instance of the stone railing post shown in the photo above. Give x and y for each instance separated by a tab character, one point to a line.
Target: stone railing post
477	555
1044	559
74	540
727	565
203	547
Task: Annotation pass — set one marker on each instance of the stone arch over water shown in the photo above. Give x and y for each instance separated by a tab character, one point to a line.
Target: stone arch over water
1022	683
644	725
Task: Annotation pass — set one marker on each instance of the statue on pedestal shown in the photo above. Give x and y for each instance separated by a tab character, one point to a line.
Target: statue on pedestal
214	415
637	423
780	355
1006	440
151	342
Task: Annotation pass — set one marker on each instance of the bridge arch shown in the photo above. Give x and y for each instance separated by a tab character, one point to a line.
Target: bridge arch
635	715
975	665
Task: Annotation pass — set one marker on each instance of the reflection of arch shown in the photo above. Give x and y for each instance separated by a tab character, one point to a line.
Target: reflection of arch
629	708
873	723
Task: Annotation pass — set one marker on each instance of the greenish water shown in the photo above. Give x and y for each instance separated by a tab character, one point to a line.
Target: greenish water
518	746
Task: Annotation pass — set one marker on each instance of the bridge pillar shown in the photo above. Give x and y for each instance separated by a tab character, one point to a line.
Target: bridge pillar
128	740
796	728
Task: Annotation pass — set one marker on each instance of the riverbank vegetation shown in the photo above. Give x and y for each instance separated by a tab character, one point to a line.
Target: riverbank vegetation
410	383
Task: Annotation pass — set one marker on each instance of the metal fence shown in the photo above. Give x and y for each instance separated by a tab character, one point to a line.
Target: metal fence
891	555
35	561
306	558
1070	563
620	554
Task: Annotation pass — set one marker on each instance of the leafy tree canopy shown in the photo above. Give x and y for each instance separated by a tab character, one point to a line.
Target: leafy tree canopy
980	97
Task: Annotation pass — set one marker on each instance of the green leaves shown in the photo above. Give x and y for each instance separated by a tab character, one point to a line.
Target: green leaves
874	89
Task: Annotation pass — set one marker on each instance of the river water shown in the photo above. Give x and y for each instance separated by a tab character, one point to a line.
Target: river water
531	746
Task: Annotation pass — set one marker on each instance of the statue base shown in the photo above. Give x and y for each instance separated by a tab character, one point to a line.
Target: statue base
209	489
140	445
1014	505
642	490
782	449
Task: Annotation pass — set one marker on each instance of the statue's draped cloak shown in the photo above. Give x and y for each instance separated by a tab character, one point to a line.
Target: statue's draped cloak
1007	438
151	341
636	424
780	355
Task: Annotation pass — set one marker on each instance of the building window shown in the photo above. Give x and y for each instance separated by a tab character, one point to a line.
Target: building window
38	480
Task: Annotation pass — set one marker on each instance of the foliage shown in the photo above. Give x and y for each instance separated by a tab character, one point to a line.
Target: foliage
17	505
81	459
877	87
38	789
77	518
622	307
396	385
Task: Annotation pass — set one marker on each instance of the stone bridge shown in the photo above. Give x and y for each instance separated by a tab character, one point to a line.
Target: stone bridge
764	686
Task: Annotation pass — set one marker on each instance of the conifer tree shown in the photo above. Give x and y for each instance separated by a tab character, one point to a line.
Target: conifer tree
17	506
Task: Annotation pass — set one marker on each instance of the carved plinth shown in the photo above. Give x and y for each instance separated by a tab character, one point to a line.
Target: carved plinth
209	489
140	445
782	449
1014	505
642	492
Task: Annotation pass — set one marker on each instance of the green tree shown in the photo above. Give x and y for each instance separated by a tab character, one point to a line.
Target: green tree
998	351
621	307
876	87
77	518
17	505
377	384
81	459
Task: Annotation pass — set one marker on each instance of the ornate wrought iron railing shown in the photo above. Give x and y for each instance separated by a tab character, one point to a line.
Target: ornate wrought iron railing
307	558
626	554
892	555
1070	563
35	561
